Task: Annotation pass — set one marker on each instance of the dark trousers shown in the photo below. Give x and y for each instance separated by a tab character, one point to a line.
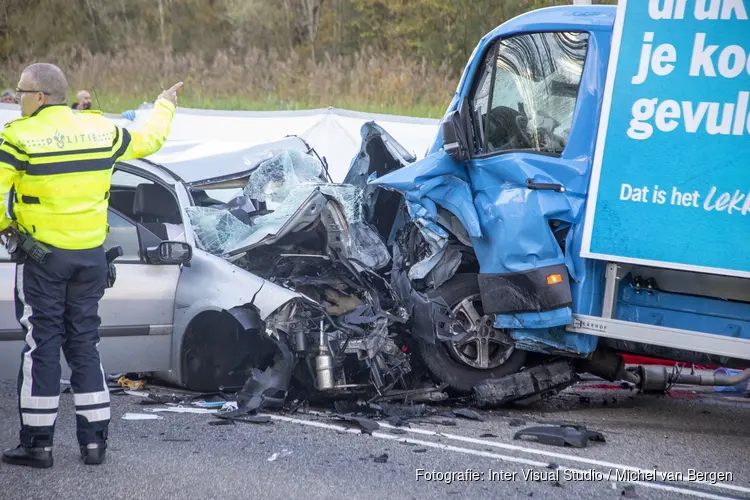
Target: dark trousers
57	305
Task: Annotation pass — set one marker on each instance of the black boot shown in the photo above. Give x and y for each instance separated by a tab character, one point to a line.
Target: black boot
94	453
40	458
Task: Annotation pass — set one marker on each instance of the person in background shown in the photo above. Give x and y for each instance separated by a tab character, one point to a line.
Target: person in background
83	100
8	97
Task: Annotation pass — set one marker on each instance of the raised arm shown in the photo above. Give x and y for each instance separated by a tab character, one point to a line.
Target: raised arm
151	137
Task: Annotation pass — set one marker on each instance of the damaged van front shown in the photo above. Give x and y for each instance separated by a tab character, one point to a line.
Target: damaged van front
495	207
495	230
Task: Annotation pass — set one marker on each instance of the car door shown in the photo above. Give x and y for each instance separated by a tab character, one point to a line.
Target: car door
137	313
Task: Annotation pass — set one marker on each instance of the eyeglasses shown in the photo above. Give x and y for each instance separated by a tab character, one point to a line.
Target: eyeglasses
21	91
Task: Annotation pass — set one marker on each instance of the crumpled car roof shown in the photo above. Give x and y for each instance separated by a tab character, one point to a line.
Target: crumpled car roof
198	162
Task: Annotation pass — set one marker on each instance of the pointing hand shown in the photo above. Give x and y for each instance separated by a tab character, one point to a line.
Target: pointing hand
171	94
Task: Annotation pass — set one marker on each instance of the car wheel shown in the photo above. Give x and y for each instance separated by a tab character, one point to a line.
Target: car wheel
485	353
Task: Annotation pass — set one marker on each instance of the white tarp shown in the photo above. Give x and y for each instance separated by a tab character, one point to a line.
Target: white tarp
334	133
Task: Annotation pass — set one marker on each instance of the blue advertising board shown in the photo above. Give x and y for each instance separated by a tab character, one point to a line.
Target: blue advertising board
670	185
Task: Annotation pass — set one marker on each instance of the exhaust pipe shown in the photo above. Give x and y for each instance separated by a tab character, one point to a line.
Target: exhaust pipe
714	379
658	379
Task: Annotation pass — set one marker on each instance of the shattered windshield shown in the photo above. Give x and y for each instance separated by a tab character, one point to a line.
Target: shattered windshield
277	190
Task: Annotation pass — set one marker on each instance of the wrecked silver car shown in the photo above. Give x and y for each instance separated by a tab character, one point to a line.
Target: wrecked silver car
243	269
287	224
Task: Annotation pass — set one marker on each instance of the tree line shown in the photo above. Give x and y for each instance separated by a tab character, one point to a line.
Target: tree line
215	41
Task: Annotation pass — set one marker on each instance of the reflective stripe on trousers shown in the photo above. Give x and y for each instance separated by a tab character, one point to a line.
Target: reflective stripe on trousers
36	411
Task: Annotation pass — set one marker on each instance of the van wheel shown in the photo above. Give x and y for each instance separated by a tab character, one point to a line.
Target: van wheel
485	354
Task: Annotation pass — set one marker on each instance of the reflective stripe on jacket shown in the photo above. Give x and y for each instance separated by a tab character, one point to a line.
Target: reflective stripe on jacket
60	166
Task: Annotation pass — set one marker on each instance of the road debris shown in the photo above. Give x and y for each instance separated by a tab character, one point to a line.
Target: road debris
451	423
576	436
141	416
249	419
367	425
181	409
469	414
133	385
277	455
381	459
629	492
536	383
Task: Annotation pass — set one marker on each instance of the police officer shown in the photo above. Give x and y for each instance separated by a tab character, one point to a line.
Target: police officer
57	165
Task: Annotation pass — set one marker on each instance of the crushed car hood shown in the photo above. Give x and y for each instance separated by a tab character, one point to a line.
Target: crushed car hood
280	193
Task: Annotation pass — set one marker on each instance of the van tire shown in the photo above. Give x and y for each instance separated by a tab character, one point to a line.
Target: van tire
444	367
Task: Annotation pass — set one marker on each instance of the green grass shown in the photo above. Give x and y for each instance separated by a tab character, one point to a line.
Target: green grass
366	81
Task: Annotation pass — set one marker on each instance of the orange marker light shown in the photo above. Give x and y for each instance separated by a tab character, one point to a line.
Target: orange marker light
554	279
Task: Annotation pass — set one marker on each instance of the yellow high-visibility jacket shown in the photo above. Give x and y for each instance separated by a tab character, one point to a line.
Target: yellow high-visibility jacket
60	166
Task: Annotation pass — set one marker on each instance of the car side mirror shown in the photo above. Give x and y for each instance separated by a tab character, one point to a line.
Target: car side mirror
170	252
455	142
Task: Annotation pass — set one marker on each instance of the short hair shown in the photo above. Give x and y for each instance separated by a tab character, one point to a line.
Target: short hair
51	79
7	92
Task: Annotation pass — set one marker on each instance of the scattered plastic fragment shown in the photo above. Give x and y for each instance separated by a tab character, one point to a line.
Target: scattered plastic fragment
141	416
397	431
181	409
487	435
629	491
136	393
420	450
367	425
470	414
133	385
247	418
229	406
153	399
210	404
576	436
277	455
381	459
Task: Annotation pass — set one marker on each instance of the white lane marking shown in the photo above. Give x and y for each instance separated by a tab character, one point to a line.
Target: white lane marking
534	451
487	454
572	458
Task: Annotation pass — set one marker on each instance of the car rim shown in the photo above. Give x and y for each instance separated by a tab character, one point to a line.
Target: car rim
484	348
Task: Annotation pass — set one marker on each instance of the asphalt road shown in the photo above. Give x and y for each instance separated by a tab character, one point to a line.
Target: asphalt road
183	457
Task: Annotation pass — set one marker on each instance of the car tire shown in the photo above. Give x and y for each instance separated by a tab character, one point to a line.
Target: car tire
443	366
